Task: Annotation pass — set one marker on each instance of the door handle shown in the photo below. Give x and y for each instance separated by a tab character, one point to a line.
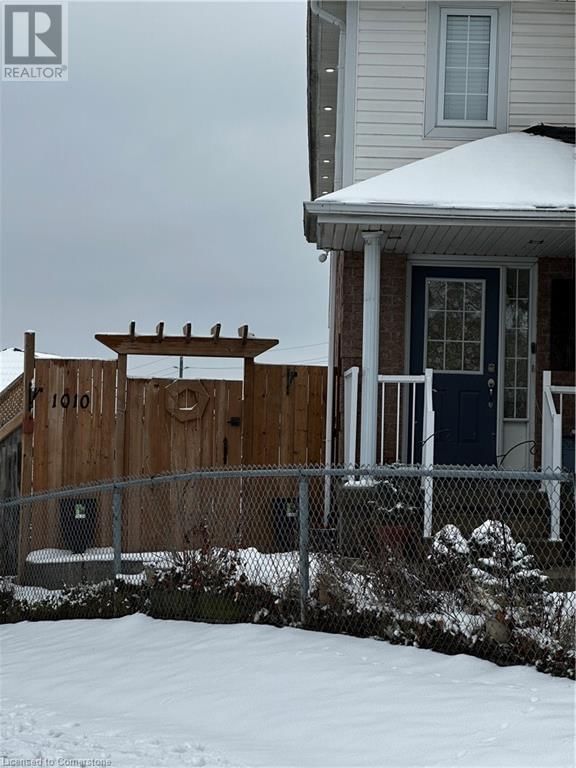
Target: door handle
491	386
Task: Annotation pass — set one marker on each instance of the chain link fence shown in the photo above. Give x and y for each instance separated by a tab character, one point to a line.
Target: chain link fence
466	560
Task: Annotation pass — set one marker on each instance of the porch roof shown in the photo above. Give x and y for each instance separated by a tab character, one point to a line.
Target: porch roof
447	202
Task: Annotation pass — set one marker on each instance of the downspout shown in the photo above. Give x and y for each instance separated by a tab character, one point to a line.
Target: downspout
330	383
328	17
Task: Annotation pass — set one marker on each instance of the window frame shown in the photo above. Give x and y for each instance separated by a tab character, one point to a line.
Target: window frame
529	336
435	126
490	120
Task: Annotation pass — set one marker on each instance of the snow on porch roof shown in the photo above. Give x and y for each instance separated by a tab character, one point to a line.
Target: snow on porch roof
511	171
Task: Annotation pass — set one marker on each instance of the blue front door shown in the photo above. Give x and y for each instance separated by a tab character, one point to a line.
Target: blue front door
455	332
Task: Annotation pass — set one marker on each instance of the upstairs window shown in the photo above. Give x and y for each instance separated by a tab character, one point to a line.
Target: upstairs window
467	70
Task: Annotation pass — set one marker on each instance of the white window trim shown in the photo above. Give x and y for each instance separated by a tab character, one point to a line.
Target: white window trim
434	125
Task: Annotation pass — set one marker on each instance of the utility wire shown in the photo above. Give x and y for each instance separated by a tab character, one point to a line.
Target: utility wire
274	349
234	367
301	346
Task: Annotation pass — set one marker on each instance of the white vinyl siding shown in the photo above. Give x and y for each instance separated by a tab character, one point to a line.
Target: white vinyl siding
542	64
389	98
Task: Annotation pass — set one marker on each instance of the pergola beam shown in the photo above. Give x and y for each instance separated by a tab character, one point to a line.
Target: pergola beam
194	346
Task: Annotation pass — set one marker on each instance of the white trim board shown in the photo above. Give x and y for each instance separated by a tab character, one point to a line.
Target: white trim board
432	260
349	95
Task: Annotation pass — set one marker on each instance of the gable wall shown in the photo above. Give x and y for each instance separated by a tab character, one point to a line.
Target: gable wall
391	69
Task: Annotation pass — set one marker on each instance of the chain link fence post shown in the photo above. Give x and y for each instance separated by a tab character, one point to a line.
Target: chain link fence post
304	509
117	530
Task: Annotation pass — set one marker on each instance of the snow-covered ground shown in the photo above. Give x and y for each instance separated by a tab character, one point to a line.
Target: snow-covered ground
137	692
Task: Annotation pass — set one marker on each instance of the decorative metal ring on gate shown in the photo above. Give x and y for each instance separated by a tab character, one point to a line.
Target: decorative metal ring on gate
195	396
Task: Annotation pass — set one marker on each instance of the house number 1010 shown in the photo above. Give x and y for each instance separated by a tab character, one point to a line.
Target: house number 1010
66	401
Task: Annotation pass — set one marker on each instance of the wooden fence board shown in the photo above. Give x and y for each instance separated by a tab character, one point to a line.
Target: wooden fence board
49	442
259	415
75	445
9	488
85	422
233	431
272	424
205	426
316	415
132	508
300	455
286	453
40	479
221	393
181	444
107	417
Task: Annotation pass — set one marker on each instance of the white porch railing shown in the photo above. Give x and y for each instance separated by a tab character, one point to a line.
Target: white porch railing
409	382
552	445
350	414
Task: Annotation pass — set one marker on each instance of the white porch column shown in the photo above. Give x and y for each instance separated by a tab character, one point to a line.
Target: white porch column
370	347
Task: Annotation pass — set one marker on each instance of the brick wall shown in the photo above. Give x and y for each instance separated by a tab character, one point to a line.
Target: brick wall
348	328
548	270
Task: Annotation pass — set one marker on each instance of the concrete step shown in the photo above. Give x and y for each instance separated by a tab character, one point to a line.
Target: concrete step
561	579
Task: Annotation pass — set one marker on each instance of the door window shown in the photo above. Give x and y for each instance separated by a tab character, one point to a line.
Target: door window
454	325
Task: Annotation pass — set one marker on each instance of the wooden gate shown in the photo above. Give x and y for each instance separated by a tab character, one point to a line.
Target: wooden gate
181	425
171	427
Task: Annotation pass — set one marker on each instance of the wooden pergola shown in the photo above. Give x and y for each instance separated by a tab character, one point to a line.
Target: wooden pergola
245	346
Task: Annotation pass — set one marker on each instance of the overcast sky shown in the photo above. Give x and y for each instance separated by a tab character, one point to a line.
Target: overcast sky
164	181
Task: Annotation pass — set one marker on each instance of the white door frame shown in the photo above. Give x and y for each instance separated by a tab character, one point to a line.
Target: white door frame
485	262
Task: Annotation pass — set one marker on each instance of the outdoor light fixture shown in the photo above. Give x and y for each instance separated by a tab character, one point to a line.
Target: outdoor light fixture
322	257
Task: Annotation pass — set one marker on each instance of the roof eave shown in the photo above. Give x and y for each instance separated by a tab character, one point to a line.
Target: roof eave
368	213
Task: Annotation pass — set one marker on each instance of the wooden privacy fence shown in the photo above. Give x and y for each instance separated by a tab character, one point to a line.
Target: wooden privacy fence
287	419
76	432
74	422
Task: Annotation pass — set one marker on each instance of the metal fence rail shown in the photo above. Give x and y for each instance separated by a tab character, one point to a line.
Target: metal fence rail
256	545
